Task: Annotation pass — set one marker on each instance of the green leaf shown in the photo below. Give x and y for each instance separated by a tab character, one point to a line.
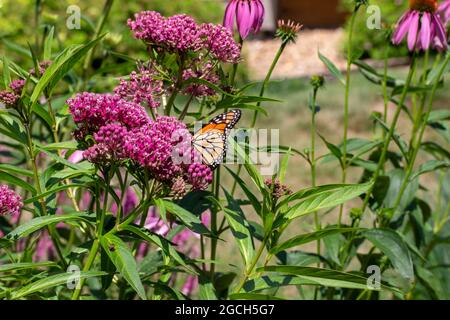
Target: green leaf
251	197
37	223
322	197
57	158
324	277
435	149
6	74
206	290
48	45
15	170
43	114
309	237
187	218
253	296
430	166
26	265
402	145
161	242
53	281
332	68
393	246
6	177
123	259
52	191
240	228
283	166
66	145
62	64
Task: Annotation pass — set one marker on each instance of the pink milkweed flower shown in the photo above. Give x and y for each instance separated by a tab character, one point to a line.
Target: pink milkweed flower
249	15
422	26
444	11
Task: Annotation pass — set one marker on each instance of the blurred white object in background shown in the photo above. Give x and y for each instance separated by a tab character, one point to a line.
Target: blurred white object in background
270	16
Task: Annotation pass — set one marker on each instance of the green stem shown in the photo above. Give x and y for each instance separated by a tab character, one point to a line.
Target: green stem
69	191
267	79
51	229
87	266
236	65
423	127
388	138
418	112
252	266
261	94
313	170
176	87
186	107
385	92
214	212
98	30
346	105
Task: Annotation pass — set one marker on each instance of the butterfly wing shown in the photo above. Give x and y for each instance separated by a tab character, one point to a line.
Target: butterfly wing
211	140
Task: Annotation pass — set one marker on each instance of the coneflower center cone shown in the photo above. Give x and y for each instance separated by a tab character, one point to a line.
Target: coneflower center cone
424	5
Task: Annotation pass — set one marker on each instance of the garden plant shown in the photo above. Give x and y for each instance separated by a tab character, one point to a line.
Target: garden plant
136	175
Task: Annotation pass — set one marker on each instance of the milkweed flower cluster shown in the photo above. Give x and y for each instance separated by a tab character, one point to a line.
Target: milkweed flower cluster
43	65
91	111
198	47
180	33
143	87
10	202
17	86
248	14
200	71
277	189
11	96
122	130
422	26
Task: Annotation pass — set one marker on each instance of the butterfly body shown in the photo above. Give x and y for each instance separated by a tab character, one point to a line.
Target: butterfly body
211	140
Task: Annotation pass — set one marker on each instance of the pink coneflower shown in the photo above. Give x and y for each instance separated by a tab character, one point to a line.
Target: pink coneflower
249	15
423	27
444	11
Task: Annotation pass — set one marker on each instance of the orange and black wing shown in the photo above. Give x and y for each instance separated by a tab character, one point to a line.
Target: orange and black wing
211	140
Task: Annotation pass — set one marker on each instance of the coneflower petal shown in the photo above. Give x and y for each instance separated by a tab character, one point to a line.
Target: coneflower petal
425	31
244	21
402	28
441	34
414	27
230	15
259	17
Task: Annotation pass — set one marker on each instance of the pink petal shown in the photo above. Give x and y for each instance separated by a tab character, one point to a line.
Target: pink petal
76	157
425	31
412	34
230	14
244	21
440	38
402	28
259	16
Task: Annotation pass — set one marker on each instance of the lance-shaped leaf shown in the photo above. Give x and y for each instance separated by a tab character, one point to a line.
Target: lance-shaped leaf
240	228
123	259
187	218
62	64
322	197
309	237
325	277
41	222
54	281
394	247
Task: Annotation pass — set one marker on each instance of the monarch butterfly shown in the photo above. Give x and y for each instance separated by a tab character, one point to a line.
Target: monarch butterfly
211	140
